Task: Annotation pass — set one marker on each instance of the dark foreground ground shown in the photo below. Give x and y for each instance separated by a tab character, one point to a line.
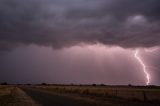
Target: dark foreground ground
13	95
47	98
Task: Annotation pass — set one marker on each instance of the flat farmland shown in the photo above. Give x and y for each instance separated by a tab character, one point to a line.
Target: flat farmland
94	95
74	95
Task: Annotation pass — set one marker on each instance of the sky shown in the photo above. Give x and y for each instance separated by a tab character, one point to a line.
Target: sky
80	41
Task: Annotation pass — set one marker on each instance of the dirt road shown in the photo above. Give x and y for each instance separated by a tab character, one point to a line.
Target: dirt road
47	99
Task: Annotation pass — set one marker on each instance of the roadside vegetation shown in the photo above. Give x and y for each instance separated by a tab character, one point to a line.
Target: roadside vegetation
144	94
13	96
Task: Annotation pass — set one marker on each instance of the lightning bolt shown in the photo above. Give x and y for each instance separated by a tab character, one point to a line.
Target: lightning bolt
143	66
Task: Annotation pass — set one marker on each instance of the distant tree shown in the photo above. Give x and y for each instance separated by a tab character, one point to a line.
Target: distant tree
152	86
130	85
4	83
102	84
43	84
28	84
94	85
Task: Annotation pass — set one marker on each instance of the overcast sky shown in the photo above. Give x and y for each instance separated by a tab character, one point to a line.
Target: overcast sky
79	41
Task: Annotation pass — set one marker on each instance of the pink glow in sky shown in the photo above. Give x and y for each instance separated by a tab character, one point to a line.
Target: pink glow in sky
84	64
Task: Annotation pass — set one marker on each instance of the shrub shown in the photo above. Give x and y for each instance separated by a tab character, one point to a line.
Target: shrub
4	83
43	84
94	85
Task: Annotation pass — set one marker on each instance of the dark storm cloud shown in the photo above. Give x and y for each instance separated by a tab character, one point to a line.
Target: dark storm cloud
61	23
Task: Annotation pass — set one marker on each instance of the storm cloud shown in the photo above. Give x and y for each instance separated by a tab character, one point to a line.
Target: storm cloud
64	23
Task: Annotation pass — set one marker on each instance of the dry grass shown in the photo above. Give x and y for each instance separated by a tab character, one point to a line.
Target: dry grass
5	97
13	96
131	93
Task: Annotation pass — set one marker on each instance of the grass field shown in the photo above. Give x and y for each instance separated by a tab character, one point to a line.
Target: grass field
26	95
151	94
13	96
5	97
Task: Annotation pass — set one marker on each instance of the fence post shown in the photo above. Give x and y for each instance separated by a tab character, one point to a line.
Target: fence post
144	96
116	92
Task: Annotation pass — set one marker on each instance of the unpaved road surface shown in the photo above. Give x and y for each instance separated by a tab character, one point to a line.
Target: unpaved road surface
47	99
